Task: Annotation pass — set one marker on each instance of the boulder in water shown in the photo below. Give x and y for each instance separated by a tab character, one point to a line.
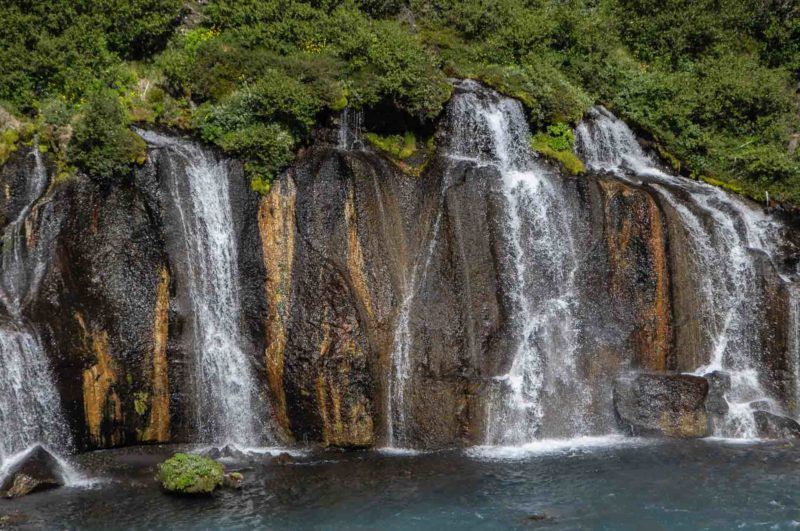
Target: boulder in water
227	452
661	404
190	474
772	426
36	471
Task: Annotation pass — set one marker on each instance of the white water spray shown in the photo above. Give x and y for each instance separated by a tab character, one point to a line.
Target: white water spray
491	130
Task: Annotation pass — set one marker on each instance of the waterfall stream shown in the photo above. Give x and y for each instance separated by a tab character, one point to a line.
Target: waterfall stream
349	134
228	408
492	130
725	236
31	407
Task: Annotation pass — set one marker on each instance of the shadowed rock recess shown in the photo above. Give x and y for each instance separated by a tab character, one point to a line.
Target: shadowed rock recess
375	307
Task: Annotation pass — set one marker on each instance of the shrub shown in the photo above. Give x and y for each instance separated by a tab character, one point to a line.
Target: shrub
102	144
399	147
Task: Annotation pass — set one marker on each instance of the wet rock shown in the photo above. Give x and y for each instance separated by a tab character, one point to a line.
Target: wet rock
719	383
35	472
537	518
283	459
771	426
226	452
661	404
233	480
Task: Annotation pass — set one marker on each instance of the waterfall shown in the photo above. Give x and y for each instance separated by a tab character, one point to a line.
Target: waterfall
228	408
401	369
350	125
491	130
725	235
31	408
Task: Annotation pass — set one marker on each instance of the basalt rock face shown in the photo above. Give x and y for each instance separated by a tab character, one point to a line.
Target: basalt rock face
662	404
112	306
14	177
343	233
103	312
350	269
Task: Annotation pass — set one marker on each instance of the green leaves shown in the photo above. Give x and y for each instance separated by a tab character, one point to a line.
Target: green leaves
102	144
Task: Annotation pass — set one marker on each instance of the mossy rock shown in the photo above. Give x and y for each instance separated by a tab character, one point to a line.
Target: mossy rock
568	159
190	474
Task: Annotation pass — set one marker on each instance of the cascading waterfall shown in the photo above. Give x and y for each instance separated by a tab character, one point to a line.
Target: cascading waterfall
492	130
724	255
31	408
228	405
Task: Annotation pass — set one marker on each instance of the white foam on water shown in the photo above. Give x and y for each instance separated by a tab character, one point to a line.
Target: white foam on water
577	445
402	452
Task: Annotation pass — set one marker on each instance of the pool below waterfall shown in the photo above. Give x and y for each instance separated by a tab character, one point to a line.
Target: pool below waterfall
591	483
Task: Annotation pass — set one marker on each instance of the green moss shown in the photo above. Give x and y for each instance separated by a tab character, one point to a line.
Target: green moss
260	185
726	185
8	143
396	146
190	474
669	158
557	143
140	402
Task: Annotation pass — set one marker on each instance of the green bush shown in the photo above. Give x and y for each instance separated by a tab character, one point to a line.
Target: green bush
190	474
102	144
399	147
712	81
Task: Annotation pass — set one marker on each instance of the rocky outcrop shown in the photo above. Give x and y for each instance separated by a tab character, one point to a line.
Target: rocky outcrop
330	258
37	470
103	310
771	426
671	405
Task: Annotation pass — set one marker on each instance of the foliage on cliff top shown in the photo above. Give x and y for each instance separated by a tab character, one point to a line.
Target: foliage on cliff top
712	81
190	474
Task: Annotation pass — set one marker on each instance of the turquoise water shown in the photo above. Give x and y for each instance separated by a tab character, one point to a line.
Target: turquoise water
601	484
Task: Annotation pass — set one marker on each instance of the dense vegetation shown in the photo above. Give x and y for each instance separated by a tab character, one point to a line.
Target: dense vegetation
712	82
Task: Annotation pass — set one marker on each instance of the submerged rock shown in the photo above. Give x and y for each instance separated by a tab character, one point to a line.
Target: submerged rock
12	519
38	470
661	404
283	458
190	474
233	480
771	426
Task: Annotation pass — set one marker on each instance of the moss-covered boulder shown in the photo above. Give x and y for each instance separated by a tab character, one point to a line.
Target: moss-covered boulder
190	474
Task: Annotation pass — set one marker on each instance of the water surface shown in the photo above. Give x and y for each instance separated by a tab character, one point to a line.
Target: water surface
593	484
